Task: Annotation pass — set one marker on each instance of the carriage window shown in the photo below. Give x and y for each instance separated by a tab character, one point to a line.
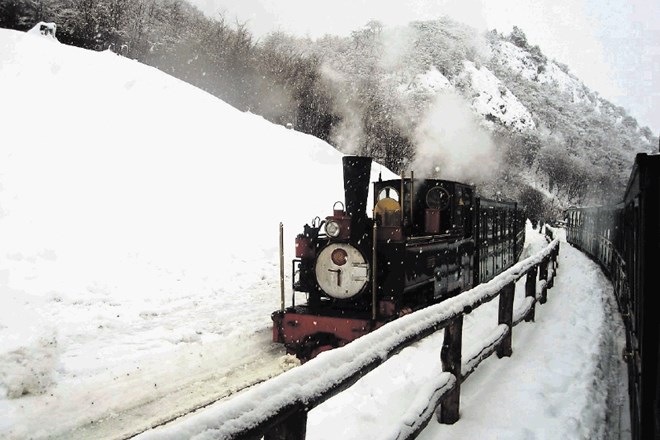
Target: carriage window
467	197
388	193
489	226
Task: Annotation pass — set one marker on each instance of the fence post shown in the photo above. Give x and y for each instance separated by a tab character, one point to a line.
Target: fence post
555	252
451	363
551	280
505	316
543	275
530	291
294	427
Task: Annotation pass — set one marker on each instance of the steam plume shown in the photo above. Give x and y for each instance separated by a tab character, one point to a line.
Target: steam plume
450	144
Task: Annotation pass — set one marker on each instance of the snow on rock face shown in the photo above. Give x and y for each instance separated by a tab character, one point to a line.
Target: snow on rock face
517	59
429	82
487	96
521	62
552	74
494	101
47	30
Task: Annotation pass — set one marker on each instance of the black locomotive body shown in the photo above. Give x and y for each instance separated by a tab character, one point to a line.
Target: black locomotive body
427	240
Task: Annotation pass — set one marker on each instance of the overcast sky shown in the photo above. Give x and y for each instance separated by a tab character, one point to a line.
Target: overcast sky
612	45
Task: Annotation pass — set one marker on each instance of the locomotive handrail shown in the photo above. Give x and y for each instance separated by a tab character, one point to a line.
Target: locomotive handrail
422	239
277	408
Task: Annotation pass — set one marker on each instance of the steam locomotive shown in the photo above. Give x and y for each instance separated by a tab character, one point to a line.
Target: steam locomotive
428	240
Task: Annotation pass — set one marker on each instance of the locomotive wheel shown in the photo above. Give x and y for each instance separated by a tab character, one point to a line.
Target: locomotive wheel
315	344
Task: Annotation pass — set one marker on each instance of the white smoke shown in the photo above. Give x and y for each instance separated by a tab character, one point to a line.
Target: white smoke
450	143
346	135
398	44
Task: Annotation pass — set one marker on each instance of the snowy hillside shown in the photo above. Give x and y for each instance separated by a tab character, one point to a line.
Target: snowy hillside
494	102
522	62
139	228
534	118
490	100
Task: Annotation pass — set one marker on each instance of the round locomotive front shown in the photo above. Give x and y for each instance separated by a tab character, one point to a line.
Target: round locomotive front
341	270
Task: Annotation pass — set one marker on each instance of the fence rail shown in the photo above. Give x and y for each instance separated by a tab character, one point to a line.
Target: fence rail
277	409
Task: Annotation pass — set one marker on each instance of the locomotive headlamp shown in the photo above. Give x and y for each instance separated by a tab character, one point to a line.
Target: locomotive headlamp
339	257
332	228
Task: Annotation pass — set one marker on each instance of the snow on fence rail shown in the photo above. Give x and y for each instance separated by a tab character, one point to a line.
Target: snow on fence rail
277	408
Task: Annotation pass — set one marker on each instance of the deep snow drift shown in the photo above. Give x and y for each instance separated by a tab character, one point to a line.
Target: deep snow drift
138	259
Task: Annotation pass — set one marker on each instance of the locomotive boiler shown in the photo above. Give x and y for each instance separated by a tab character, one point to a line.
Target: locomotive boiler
426	240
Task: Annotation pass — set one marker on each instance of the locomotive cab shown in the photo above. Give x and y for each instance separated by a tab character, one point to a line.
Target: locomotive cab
437	207
424	243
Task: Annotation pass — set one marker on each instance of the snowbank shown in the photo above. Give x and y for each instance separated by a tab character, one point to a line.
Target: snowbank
139	226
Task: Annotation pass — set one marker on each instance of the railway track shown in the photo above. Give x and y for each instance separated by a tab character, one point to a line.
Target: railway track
191	395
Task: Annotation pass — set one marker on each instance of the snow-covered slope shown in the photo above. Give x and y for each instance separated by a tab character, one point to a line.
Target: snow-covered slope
493	101
429	82
523	63
139	228
490	100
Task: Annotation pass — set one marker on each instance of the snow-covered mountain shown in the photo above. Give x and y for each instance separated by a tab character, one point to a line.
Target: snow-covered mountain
571	145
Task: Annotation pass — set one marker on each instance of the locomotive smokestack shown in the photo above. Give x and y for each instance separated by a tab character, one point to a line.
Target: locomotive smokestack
357	174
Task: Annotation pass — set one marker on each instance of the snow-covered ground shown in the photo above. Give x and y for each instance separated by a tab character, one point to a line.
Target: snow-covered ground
138	265
139	222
